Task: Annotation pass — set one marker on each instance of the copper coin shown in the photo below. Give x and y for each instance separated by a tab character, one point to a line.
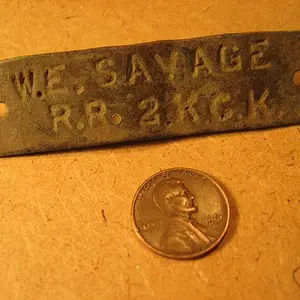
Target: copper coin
180	213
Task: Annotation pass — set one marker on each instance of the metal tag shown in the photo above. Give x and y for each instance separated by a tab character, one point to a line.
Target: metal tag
149	91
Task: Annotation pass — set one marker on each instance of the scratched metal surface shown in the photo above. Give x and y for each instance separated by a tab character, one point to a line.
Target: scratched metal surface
149	91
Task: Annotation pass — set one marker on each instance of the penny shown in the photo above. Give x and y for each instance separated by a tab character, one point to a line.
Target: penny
180	213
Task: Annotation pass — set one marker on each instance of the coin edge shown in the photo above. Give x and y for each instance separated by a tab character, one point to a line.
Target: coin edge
185	257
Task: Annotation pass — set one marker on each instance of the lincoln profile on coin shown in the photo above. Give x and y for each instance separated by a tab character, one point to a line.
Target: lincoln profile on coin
182	233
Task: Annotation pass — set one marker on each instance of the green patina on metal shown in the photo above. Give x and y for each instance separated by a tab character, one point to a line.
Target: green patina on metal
149	91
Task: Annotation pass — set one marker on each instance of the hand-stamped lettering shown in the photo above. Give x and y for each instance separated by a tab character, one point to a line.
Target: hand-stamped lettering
202	63
170	68
95	110
150	91
185	108
54	80
60	113
215	107
107	78
23	83
257	51
139	71
257	106
151	116
116	119
230	59
78	88
80	125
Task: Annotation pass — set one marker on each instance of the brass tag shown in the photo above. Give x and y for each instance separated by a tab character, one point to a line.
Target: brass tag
149	91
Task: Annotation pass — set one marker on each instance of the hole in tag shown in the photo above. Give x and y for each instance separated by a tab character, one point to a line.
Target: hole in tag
3	110
296	78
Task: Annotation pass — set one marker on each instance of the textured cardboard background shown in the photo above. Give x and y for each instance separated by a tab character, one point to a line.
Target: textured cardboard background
55	242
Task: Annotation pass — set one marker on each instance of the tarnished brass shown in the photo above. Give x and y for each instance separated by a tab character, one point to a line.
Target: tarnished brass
149	91
180	213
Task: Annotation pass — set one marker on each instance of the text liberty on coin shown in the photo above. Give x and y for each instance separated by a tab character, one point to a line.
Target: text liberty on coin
181	213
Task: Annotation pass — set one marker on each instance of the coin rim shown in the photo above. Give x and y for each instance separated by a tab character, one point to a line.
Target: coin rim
174	256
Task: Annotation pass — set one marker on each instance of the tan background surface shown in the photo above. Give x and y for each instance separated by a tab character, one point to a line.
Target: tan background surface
55	243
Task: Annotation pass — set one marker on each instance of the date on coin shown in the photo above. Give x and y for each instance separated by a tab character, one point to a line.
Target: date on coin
180	213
